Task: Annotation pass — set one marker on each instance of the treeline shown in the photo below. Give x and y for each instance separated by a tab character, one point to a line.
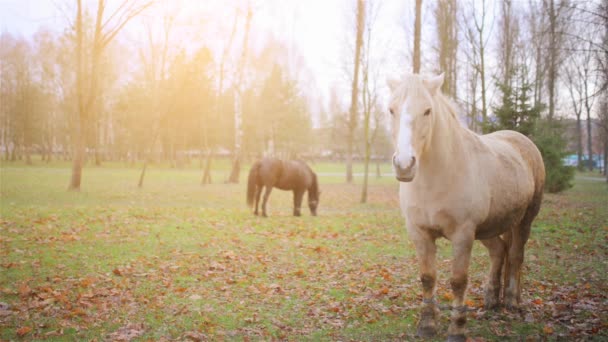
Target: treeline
82	94
142	114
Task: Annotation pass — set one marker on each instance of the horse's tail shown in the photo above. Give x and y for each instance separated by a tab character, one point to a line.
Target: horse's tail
252	182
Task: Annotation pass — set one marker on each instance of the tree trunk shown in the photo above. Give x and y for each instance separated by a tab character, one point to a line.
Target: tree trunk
417	33
482	75
349	159
238	112
142	175
77	161
579	142
552	58
606	156
352	122
368	151
236	170
589	140
207	169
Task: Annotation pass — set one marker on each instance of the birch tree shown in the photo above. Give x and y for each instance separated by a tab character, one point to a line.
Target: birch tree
88	55
353	112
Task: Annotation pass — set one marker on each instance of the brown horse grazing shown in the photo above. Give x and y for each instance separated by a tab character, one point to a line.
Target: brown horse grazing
462	186
292	175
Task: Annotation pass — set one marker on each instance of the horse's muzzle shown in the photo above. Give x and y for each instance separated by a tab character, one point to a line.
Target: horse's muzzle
405	174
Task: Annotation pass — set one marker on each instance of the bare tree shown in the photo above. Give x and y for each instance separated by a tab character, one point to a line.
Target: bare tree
206	179
477	35
238	102
589	82
369	93
446	18
352	121
556	14
155	63
417	34
575	90
87	67
508	37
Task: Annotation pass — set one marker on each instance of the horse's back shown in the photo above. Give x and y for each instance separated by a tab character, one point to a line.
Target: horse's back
517	181
512	148
285	174
270	170
296	175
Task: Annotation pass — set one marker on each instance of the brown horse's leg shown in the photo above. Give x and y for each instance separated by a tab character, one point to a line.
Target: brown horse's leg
497	249
266	195
462	244
258	193
425	252
297	202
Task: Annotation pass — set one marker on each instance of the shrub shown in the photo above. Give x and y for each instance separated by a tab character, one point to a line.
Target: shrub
549	138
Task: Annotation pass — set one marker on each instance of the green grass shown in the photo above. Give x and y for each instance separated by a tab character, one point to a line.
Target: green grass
176	259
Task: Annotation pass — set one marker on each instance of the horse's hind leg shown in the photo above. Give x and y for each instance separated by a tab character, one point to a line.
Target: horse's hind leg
297	202
258	193
515	258
497	249
266	195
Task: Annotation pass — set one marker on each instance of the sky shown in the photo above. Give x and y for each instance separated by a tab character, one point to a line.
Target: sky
315	30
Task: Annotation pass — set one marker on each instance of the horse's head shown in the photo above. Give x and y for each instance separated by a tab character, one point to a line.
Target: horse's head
411	108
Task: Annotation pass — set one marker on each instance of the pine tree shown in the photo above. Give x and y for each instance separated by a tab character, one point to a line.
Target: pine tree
516	113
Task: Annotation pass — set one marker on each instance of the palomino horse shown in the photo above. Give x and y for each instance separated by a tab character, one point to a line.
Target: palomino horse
286	175
464	187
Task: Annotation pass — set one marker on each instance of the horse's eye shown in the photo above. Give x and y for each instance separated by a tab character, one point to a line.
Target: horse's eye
391	110
427	112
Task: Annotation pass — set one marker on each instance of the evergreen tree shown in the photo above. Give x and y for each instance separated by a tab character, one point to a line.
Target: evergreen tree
516	113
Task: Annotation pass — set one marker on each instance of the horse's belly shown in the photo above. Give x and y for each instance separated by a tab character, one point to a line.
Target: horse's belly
496	225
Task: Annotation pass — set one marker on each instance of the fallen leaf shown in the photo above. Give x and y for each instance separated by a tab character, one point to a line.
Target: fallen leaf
23	331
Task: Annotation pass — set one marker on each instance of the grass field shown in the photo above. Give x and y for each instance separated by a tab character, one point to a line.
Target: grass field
180	261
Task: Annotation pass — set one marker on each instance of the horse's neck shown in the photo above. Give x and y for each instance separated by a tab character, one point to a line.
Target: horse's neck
446	154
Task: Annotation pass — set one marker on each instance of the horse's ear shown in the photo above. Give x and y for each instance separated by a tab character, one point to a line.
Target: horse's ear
393	83
434	83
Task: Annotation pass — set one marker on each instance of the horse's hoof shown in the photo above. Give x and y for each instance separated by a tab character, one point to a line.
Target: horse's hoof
256	214
264	215
511	304
492	306
426	332
490	303
512	307
457	338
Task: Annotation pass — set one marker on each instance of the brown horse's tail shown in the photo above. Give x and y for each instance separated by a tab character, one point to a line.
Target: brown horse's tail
252	182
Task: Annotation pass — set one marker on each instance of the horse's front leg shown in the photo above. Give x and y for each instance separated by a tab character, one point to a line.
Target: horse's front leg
462	244
266	195
297	202
426	251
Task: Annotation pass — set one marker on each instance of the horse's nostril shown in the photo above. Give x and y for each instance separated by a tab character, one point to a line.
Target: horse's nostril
412	163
